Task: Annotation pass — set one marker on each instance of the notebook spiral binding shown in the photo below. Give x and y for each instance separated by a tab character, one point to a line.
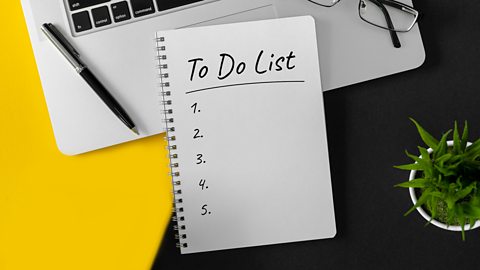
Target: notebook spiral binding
168	119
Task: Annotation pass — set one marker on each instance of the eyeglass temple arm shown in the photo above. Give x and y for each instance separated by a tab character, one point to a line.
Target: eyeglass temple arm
399	5
393	34
403	7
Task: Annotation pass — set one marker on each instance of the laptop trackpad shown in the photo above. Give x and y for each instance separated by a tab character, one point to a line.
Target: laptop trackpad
260	13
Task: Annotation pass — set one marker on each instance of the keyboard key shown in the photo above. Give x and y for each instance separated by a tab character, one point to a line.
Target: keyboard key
79	4
81	21
120	12
142	7
166	5
101	16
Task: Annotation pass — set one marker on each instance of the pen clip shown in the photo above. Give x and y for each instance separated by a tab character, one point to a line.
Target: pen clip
54	31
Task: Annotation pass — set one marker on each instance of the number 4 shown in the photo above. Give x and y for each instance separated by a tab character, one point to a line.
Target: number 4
202	184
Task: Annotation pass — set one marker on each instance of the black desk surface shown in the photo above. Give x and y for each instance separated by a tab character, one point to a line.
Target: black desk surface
368	131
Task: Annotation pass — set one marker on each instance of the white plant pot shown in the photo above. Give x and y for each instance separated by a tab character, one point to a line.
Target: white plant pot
426	216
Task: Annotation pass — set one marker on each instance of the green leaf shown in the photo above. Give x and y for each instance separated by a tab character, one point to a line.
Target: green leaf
442	146
433	207
475	201
450	215
464	137
438	194
471	221
441	184
410	167
465	191
462	224
456	139
415	183
445	171
426	137
473	149
426	162
415	158
441	160
450	202
424	153
471	211
456	159
453	168
423	198
471	164
461	219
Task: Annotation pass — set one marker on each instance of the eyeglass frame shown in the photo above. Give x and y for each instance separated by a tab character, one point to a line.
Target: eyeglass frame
380	4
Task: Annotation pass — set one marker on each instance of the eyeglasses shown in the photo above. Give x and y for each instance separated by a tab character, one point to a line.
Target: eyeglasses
387	14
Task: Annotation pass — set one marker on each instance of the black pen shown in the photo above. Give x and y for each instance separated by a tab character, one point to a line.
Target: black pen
67	50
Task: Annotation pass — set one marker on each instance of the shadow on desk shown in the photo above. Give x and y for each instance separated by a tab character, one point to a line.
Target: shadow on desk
168	254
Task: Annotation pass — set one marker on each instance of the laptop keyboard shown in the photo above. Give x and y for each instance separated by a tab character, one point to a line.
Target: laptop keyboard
91	15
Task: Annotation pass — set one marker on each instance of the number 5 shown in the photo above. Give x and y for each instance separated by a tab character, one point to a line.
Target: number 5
205	210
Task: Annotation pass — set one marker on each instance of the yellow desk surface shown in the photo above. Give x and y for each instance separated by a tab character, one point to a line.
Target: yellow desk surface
60	212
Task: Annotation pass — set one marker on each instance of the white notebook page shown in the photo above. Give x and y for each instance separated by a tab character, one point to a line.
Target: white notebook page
251	143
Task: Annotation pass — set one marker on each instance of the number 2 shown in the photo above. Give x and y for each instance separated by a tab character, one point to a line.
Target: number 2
197	134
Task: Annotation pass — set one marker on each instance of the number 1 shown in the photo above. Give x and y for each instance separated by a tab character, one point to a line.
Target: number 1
194	107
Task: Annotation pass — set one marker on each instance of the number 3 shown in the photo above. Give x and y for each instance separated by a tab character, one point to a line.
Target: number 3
199	159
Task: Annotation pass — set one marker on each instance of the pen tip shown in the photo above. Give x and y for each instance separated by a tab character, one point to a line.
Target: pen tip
135	130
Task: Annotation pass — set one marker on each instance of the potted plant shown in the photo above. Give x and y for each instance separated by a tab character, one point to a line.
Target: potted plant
444	180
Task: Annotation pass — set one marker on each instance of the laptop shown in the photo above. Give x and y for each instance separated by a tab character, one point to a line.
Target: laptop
115	40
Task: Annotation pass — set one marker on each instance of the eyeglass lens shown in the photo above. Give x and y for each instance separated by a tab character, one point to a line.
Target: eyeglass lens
325	3
387	14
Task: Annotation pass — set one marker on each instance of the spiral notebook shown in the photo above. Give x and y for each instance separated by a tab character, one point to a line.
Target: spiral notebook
246	128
